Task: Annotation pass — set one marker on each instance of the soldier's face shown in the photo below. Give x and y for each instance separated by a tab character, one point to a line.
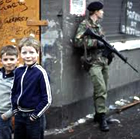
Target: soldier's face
100	14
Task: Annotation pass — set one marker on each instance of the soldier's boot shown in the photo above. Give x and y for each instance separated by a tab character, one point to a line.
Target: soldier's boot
96	117
101	119
103	123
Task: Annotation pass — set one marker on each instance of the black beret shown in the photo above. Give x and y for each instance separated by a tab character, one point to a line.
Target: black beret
93	6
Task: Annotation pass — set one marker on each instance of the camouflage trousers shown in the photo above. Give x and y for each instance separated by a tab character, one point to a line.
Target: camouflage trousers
99	76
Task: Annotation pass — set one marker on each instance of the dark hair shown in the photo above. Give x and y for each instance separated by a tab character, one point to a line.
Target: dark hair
29	41
9	50
91	12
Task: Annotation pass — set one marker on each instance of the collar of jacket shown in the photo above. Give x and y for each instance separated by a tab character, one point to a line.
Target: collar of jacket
31	66
11	74
93	24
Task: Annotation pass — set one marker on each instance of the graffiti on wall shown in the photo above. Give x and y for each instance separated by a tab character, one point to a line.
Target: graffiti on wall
130	23
14	15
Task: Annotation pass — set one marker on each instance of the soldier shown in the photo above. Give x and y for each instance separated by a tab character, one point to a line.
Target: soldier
98	70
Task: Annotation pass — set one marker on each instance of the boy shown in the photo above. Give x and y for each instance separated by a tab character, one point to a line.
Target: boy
31	93
9	59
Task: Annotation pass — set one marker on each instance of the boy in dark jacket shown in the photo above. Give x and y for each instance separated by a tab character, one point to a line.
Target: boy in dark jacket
31	93
9	59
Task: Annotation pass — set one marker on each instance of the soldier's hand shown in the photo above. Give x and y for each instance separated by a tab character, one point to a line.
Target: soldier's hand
100	45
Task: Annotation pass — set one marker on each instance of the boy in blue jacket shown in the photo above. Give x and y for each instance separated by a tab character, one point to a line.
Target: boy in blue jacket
9	59
31	93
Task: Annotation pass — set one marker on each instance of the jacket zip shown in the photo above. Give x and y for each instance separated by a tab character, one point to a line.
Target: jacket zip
21	85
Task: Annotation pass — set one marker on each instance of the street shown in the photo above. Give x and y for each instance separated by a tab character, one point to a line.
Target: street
126	125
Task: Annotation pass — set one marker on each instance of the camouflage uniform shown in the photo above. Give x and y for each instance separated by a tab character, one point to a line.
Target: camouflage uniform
99	69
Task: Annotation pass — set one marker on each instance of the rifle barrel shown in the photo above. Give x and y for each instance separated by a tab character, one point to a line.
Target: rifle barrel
132	67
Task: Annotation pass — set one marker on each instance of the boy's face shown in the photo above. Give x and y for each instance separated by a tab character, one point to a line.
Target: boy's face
9	62
29	55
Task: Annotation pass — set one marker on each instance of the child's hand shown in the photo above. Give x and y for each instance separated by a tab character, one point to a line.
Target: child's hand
3	117
31	119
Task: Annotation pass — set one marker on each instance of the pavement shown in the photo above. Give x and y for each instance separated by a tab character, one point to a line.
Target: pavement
124	125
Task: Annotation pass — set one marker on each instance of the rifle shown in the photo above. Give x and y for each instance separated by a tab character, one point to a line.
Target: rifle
108	47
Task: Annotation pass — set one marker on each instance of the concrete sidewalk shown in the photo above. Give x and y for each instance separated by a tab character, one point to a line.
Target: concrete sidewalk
126	125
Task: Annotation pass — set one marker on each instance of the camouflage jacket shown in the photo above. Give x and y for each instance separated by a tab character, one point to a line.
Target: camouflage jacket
91	44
